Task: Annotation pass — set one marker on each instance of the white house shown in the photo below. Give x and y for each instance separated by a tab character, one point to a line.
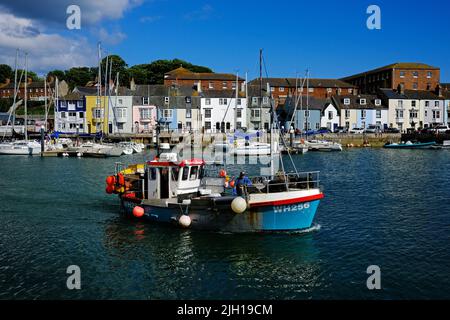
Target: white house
120	115
431	107
330	117
361	111
222	112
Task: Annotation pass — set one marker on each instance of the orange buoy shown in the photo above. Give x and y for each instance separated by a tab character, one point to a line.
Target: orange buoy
109	189
138	212
232	183
111	180
121	179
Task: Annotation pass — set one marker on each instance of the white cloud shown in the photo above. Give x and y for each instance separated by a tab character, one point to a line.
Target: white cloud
92	11
112	38
45	50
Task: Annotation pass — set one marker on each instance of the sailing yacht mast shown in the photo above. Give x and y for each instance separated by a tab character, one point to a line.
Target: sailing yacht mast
260	90
26	96
236	102
15	90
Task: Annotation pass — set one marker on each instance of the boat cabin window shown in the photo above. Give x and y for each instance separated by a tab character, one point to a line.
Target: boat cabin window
175	173
185	173
152	174
194	171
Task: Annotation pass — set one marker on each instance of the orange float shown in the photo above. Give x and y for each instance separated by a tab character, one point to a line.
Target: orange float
138	212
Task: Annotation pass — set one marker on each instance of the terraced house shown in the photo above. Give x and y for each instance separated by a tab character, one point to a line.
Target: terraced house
282	88
361	111
70	114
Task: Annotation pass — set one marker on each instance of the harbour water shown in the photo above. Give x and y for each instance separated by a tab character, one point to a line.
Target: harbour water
389	208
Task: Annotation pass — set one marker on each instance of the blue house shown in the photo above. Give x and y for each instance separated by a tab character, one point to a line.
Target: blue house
70	114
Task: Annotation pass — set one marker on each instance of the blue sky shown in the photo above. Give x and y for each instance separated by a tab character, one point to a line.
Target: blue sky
328	37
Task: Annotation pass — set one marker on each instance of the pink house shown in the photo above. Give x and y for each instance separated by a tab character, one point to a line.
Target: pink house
144	118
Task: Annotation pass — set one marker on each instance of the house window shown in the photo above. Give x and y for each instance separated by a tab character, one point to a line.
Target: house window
224	85
255	113
211	85
400	103
81	115
223	101
255	100
120	126
402	74
98	113
238	125
346	101
415	85
167	113
426	113
239	102
330	115
317	126
188	113
265	100
208	101
399	114
239	113
413	103
272	89
281	89
436	114
311	90
207	113
63	114
363	113
233	85
347	113
363	102
347	124
377	102
329	90
429	74
436	104
415	74
427	103
378	114
208	125
350	90
144	113
121	112
120	101
413	114
306	113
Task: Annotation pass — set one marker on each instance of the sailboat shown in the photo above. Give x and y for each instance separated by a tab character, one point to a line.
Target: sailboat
189	194
23	147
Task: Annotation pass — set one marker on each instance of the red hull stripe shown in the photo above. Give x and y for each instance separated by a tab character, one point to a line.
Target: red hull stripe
288	201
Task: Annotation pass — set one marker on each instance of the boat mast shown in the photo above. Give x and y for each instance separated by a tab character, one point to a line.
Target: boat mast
307	100
260	91
26	96
99	82
105	119
236	102
15	90
45	97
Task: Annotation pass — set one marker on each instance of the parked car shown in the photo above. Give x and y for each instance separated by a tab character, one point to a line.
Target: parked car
357	130
373	129
391	130
341	130
323	131
441	129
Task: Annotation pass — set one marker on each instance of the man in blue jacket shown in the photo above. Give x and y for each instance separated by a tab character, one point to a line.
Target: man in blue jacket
241	182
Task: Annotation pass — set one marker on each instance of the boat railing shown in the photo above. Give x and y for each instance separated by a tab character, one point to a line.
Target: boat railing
118	167
285	182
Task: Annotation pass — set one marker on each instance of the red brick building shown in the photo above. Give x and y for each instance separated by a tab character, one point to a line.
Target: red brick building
281	88
412	76
35	89
202	81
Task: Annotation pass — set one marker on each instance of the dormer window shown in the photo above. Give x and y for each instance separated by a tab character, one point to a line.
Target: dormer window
362	102
166	99
377	102
145	101
347	101
281	89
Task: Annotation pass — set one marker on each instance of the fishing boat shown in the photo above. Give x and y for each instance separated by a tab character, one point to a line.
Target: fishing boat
410	145
127	148
189	194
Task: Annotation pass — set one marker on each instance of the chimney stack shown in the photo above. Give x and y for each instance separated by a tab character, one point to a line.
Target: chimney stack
401	88
438	90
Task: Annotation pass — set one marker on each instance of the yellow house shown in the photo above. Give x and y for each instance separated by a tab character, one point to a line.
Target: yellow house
95	115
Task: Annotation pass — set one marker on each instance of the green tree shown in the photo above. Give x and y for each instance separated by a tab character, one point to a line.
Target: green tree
79	76
61	75
117	64
6	73
158	68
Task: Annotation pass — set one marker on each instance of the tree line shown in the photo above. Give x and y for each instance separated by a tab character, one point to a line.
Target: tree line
151	73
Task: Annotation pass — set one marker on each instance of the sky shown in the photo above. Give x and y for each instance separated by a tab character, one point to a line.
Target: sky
329	38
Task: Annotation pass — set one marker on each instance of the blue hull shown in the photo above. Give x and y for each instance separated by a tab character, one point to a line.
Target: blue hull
282	218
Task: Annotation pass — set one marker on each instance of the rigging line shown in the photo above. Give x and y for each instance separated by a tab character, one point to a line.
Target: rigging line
15	98
276	118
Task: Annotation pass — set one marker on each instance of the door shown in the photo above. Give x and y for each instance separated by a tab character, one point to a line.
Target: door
164	183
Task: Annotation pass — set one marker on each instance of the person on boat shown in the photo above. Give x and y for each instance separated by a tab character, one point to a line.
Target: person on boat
241	183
